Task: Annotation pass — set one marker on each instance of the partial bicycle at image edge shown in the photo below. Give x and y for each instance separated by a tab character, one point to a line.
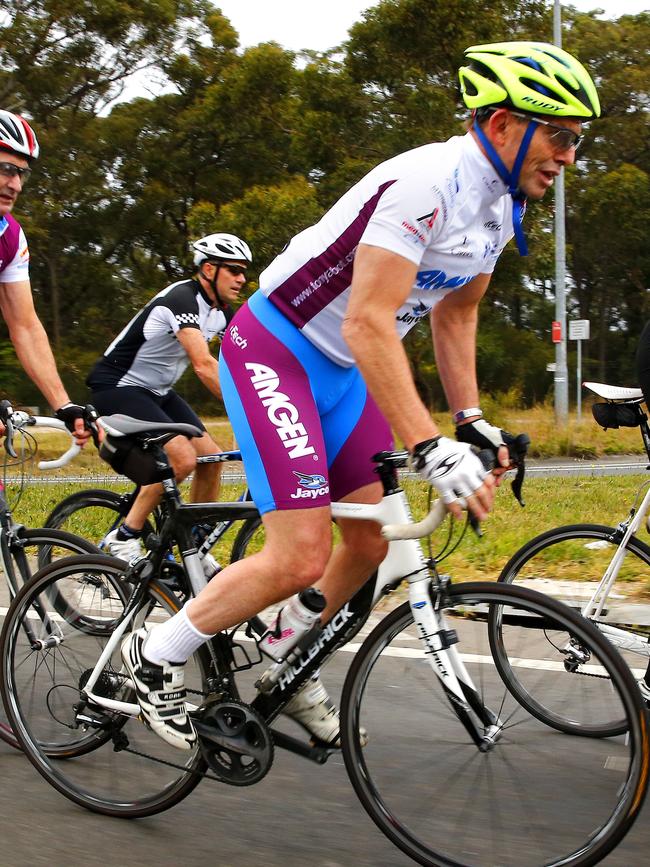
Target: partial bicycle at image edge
595	568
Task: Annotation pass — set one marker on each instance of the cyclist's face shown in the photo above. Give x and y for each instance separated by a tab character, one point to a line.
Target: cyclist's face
229	284
10	186
546	155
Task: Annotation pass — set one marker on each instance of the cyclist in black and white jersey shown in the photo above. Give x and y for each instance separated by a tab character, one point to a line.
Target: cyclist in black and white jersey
137	372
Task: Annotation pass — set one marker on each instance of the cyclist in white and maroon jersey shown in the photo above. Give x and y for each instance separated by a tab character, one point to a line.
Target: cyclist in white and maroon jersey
314	374
136	374
18	149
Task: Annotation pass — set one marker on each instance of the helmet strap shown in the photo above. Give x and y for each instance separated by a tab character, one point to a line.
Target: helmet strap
213	282
511	178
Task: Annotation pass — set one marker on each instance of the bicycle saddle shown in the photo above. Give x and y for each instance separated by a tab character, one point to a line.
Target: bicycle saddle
614	392
119	425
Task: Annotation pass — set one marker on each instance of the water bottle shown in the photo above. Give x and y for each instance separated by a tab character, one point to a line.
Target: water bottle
298	617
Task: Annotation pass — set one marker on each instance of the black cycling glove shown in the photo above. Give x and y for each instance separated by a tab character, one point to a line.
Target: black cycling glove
70	412
483	435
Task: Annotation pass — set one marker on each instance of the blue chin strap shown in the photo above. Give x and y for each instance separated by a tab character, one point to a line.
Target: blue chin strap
511	179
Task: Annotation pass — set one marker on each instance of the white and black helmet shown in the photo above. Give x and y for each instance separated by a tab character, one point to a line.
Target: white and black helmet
17	135
221	247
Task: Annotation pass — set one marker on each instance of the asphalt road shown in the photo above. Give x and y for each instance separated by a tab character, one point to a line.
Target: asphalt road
300	815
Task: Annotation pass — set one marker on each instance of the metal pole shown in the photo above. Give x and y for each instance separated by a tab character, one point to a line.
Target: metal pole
579	381
561	372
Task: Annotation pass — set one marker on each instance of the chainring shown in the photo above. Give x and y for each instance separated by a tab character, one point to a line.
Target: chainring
235	741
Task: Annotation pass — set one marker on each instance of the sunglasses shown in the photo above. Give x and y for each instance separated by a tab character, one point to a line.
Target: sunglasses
235	270
562	138
9	170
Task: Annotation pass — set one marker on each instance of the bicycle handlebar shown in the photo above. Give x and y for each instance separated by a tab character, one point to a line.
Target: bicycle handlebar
18	420
437	514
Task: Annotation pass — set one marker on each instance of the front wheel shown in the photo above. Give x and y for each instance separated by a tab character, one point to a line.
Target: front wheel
104	760
92	514
568	563
22	556
533	796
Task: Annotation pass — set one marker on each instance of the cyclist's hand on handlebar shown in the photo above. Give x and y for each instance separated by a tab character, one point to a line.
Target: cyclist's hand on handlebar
508	449
455	471
81	421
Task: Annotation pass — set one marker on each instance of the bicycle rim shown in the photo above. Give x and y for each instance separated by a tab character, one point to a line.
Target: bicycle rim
567	563
105	761
539	796
91	514
25	554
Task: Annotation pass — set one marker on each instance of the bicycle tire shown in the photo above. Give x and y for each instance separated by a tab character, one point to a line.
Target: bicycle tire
244	538
92	514
21	561
547	563
538	797
114	765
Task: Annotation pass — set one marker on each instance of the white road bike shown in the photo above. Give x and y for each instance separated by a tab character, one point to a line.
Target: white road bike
456	770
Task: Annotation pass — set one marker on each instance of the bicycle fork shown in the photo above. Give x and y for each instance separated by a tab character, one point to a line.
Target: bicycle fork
482	724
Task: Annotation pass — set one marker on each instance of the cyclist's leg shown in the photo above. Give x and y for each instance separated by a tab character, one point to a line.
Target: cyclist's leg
206	483
207	477
354	431
143	404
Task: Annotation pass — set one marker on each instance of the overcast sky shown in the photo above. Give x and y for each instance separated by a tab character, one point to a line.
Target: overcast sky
319	25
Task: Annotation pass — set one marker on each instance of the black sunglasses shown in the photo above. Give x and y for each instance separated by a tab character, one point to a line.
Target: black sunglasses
9	170
235	270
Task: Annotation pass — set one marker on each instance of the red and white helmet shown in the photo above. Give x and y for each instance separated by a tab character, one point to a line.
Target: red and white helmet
221	247
17	135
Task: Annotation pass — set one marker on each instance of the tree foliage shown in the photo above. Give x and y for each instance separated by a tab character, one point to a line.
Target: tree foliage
261	141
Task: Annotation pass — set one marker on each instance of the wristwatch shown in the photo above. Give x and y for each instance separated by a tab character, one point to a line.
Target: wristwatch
471	412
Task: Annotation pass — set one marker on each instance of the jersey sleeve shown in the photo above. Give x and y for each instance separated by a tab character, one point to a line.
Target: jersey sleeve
408	218
181	308
17	270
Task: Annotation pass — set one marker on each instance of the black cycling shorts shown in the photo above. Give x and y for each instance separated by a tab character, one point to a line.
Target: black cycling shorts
142	404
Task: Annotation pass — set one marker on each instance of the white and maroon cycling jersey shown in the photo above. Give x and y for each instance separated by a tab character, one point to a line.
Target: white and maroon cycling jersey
442	206
14	252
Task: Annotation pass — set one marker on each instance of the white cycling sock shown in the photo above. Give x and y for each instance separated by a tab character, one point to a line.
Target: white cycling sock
174	641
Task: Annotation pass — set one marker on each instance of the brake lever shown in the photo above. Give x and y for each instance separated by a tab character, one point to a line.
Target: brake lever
90	418
6	411
518	451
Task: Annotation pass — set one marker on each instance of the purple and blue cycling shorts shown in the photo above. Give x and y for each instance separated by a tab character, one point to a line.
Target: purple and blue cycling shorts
307	427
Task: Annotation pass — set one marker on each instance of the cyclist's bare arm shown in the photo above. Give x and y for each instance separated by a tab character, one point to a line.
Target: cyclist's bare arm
381	283
204	363
454	322
32	347
453	327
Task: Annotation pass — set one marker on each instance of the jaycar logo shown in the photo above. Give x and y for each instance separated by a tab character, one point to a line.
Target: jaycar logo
281	412
311	486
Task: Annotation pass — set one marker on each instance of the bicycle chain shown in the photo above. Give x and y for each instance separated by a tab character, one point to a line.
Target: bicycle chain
206	775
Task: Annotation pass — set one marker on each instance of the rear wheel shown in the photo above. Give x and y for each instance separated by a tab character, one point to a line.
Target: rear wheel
113	764
568	563
533	795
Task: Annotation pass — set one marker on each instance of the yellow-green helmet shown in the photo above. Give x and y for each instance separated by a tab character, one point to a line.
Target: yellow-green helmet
535	77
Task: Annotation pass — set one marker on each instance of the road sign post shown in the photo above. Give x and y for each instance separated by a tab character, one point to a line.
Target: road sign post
579	330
